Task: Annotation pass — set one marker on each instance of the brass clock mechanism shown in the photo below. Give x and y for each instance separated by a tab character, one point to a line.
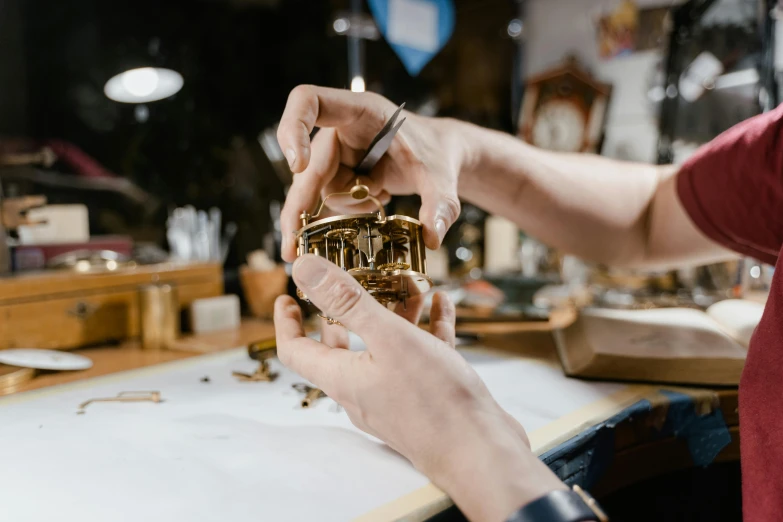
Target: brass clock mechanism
385	254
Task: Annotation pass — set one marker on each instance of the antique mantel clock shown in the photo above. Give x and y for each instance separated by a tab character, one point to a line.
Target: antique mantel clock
564	109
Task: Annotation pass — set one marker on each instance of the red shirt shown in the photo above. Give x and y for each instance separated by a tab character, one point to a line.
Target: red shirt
732	189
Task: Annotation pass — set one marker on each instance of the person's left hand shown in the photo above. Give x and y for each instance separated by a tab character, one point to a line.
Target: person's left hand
414	391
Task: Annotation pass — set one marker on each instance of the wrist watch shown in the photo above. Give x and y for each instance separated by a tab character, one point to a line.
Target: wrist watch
562	505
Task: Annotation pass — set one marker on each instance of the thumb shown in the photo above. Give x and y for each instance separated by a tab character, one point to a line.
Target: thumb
440	208
341	297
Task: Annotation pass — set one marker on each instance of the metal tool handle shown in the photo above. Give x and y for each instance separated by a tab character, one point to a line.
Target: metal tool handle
132	396
358	192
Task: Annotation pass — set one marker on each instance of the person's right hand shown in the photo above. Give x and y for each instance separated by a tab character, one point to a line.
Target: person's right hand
425	158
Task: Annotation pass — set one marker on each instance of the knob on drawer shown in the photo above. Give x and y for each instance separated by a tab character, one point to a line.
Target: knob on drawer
82	310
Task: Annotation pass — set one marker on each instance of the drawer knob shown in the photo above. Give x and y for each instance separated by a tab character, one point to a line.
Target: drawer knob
82	310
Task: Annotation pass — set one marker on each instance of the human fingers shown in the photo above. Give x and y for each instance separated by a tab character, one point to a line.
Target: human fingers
341	297
305	190
334	335
309	106
442	318
440	207
288	319
321	365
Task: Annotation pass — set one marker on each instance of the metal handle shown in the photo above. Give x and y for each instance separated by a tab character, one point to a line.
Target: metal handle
358	192
131	396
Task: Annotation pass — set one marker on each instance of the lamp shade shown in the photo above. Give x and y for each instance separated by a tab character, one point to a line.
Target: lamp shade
143	85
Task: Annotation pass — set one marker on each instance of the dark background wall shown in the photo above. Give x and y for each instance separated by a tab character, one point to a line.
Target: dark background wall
239	60
13	82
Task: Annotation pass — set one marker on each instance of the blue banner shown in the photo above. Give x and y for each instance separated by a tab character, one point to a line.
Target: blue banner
416	29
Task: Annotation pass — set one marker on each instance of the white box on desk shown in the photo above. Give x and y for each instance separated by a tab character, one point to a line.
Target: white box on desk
215	313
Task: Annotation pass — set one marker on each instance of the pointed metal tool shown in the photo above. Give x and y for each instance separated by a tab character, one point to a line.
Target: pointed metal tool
380	144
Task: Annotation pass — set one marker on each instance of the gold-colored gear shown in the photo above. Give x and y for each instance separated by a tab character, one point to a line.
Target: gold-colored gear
402	233
330	321
344	233
390	267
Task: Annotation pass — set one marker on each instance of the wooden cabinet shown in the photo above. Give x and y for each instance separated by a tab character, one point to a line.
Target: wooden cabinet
64	309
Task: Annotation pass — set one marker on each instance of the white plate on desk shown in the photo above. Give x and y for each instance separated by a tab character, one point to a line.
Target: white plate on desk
44	359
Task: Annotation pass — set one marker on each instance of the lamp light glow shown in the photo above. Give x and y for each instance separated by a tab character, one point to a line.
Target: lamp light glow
143	85
140	82
357	84
341	26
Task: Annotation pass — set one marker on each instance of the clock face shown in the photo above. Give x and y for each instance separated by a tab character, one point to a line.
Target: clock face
559	125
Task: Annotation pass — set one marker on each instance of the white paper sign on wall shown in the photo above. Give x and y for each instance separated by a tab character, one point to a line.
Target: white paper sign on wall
415	29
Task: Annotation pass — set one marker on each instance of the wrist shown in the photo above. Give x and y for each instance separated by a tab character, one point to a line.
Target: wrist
494	489
493	164
467	142
491	474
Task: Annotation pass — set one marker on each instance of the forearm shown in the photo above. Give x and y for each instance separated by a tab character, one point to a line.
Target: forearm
592	207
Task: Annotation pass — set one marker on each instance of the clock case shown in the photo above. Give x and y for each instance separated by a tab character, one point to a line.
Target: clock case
571	84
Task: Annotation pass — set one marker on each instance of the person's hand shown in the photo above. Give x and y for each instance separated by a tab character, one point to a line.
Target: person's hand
424	158
414	391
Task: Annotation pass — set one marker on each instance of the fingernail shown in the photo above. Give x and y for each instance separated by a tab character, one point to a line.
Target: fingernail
309	271
286	242
291	155
440	229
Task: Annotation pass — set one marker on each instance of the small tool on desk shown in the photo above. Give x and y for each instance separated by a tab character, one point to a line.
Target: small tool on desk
261	351
153	396
311	394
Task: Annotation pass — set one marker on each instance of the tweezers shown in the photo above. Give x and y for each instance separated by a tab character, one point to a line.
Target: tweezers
380	143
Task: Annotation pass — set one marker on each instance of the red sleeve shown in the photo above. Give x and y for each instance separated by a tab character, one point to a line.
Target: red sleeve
732	187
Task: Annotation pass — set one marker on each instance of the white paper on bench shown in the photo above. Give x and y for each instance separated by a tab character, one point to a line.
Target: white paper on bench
225	450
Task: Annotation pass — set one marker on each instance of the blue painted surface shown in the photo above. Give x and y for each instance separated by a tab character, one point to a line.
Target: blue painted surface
706	435
583	459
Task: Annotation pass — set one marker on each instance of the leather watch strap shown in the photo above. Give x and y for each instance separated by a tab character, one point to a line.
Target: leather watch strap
560	506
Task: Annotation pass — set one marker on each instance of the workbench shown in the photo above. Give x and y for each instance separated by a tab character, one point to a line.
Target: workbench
629	433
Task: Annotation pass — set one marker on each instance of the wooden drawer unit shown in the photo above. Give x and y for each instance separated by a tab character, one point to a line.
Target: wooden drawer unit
64	310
